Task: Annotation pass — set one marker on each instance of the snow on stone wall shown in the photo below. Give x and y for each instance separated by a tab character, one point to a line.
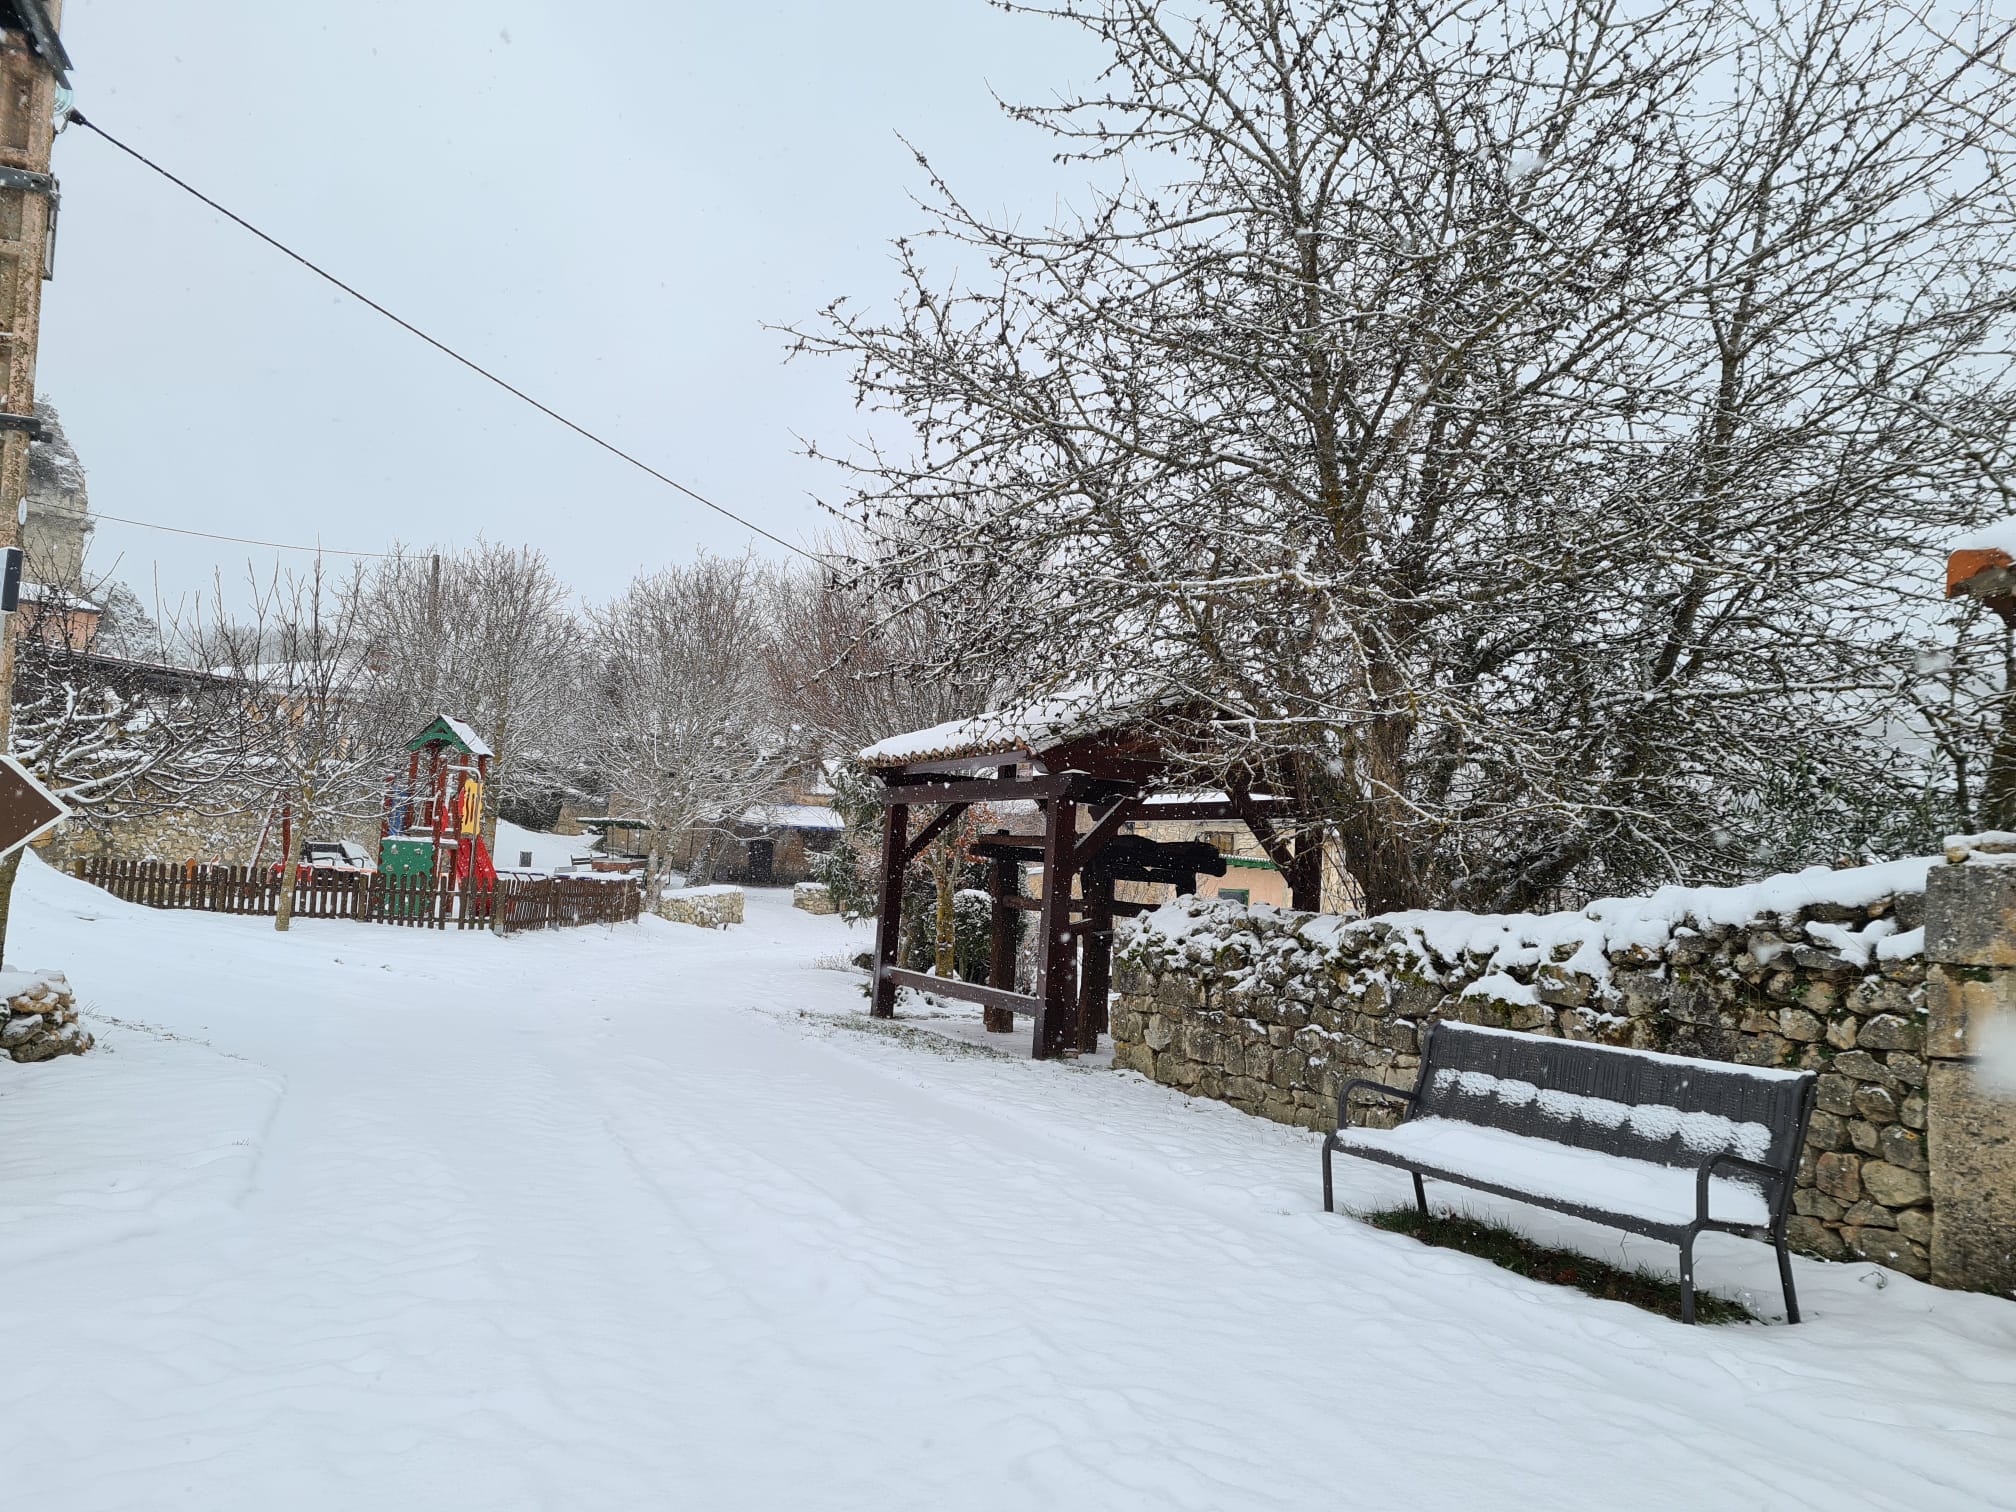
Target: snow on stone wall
709	907
39	1021
1271	1010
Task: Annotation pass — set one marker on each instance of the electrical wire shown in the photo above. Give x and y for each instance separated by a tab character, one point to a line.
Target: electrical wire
76	118
211	535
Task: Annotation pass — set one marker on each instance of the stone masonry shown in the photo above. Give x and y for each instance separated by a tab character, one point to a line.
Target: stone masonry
1272	1010
40	1021
1970	948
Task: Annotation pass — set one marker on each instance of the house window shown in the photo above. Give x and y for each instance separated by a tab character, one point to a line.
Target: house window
1235	894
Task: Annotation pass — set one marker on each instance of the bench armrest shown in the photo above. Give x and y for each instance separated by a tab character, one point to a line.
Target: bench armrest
1780	1181
1357	1083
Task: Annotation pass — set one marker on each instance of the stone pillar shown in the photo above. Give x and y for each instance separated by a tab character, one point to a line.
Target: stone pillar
1970	992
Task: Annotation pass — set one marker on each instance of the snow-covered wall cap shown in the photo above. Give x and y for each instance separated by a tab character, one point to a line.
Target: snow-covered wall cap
1023	730
1496	945
1989	848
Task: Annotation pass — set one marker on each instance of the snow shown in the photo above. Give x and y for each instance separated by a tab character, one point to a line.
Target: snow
467	736
808	816
550	853
1025	729
1999	536
15	984
644	1216
712	890
1559	1172
1582	941
1703	1133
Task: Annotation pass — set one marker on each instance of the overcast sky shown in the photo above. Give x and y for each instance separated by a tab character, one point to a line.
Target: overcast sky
604	203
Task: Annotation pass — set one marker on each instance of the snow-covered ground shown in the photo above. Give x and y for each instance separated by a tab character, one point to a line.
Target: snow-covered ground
650	1217
550	853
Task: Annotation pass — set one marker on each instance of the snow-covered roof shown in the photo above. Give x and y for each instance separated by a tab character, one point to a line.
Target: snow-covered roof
1025	729
805	816
42	593
467	736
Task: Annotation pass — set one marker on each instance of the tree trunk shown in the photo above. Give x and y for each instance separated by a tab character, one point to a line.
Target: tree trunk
945	875
290	868
495	786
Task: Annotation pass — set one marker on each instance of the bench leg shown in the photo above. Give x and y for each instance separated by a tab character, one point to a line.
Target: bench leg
1329	1144
1687	1279
1420	1195
1785	1275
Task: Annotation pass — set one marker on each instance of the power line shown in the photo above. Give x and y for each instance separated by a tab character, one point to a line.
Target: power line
211	535
436	343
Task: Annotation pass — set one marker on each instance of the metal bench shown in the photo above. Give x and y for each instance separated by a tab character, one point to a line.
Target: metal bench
1658	1145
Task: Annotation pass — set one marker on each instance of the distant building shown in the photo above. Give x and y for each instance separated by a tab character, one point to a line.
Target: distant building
54	538
58	528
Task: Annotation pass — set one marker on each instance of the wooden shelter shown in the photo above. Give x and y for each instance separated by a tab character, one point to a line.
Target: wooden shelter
1088	772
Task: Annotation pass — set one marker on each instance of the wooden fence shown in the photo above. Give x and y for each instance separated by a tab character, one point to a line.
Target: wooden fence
411	902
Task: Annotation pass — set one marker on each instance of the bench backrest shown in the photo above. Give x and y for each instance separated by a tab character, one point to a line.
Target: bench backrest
1662	1108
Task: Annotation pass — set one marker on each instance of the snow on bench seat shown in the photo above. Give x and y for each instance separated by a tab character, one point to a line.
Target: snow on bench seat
1556	1173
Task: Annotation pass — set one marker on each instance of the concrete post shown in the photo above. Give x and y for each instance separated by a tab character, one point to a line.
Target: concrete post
1970	994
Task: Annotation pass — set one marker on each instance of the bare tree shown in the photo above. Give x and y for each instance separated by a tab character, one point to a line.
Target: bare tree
687	729
1516	434
324	732
116	737
852	661
485	634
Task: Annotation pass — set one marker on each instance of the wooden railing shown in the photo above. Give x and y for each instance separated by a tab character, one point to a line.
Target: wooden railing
369	897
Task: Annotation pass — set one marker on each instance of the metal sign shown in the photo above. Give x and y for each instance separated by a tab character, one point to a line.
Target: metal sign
27	809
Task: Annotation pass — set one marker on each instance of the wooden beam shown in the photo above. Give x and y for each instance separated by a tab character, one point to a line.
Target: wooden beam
971	790
1226	809
1104	828
931	831
953	987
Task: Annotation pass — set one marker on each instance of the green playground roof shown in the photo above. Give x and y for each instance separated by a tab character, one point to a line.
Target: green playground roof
445	730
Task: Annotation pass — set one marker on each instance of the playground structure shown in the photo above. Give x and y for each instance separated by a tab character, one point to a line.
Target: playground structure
433	825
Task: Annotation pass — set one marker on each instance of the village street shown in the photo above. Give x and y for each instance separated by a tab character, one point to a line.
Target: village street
647	1217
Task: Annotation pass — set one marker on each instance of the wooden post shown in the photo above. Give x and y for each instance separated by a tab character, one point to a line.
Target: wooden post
1002	884
1097	982
1056	950
889	923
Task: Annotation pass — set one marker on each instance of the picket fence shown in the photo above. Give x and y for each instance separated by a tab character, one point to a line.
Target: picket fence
410	902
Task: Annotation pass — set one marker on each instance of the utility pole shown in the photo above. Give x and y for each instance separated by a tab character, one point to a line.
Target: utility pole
32	67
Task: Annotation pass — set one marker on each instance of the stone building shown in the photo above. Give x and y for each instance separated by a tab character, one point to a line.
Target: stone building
57	532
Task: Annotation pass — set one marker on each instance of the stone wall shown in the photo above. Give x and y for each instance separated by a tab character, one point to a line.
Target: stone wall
709	907
1970	947
1272	1010
813	898
40	1020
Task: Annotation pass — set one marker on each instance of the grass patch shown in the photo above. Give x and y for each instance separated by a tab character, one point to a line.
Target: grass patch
1513	1252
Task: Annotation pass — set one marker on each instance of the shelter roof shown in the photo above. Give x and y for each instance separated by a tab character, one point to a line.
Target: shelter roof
1024	731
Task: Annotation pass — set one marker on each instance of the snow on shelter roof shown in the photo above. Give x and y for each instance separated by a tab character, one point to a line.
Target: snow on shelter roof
1025	729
